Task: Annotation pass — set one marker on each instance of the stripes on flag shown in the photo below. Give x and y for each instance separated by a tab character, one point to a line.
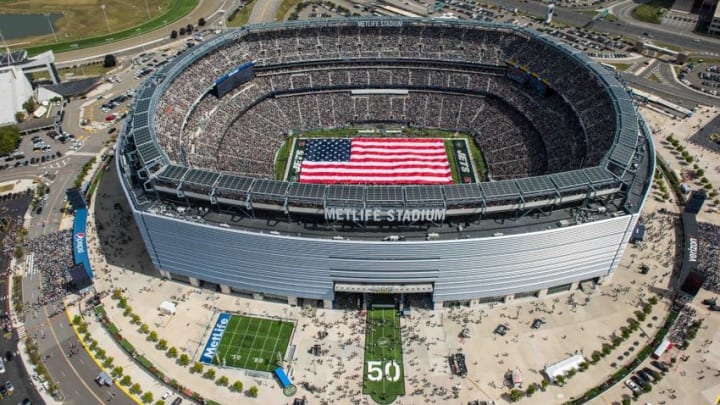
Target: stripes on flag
375	161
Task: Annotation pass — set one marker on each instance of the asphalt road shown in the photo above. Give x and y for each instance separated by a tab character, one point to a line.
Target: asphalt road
15	371
625	25
204	9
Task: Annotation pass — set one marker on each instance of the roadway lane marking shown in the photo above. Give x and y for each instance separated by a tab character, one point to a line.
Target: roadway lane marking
82	381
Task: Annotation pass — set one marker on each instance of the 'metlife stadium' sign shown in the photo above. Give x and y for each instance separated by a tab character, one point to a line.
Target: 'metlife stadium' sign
389	215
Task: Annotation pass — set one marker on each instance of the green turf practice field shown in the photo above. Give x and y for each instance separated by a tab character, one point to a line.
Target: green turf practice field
253	343
384	379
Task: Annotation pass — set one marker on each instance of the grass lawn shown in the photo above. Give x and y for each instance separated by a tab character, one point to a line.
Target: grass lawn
384	377
83	24
253	343
285	8
652	11
243	16
620	66
7	187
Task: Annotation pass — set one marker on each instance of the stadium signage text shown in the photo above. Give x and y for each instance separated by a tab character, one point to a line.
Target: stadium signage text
79	245
379	23
215	338
693	250
390	215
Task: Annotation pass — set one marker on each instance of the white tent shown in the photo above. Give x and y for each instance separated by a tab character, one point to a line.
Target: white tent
167	308
563	366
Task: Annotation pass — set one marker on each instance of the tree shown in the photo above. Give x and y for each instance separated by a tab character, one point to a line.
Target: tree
184	360
153	337
172	352
109	61
626	401
237	386
117	371
144	329
162	344
29	105
560	380
147	397
515	395
210	374
189	29
135	389
159	402
224	381
135	318
108	362
182	30
252	392
201	22
197	368
173	34
19	116
9	139
531	389
126	380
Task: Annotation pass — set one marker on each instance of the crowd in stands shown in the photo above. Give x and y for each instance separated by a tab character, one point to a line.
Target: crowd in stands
709	263
52	257
520	133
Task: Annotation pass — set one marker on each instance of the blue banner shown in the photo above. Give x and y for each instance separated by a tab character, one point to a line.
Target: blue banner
208	353
80	250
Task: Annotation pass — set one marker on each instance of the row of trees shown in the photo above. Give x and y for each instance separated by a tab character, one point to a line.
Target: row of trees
188	29
172	352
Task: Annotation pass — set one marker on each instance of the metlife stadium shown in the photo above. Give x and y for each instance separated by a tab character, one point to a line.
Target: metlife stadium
570	160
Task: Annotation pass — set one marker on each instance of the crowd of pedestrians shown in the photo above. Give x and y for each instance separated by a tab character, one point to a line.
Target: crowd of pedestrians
709	263
52	257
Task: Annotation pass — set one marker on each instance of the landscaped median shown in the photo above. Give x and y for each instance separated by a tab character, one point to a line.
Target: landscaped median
96	353
177	10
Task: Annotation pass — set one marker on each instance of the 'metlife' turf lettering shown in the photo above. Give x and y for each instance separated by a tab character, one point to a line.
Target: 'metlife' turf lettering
215	337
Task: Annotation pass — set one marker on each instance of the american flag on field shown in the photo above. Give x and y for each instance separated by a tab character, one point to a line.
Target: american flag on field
375	161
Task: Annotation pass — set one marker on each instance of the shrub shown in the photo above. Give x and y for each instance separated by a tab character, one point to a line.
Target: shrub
224	381
77	319
515	395
596	356
531	390
117	294
162	344
184	360
147	397
172	352
560	380
123	302
252	392
127	311
126	380
117	371
237	386
153	337
108	362
135	389
144	329
196	368
210	374
135	318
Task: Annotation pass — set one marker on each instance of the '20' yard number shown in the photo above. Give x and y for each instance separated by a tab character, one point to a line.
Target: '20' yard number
375	371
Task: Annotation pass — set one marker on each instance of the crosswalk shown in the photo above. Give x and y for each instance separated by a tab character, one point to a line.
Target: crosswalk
30	268
58	164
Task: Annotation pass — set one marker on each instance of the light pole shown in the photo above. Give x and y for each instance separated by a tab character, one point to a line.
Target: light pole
52	28
102	6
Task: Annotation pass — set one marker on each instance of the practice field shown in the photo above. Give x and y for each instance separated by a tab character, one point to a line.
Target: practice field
384	378
251	343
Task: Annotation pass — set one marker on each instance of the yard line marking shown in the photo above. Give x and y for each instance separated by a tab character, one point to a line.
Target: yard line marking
247	327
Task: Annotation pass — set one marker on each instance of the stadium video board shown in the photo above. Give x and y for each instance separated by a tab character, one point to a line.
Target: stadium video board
229	81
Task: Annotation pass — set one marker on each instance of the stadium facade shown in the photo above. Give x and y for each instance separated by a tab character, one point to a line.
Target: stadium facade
548	222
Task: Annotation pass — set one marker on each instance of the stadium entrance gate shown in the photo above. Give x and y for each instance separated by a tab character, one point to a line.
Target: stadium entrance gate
401	296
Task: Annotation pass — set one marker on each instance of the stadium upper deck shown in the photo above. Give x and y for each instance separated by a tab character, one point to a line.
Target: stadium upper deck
603	159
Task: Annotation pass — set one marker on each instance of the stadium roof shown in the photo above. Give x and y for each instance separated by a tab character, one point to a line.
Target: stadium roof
74	88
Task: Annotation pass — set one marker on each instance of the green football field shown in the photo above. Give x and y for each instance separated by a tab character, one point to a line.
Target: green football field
253	343
383	370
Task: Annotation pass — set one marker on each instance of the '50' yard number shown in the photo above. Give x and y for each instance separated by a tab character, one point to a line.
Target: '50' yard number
375	371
